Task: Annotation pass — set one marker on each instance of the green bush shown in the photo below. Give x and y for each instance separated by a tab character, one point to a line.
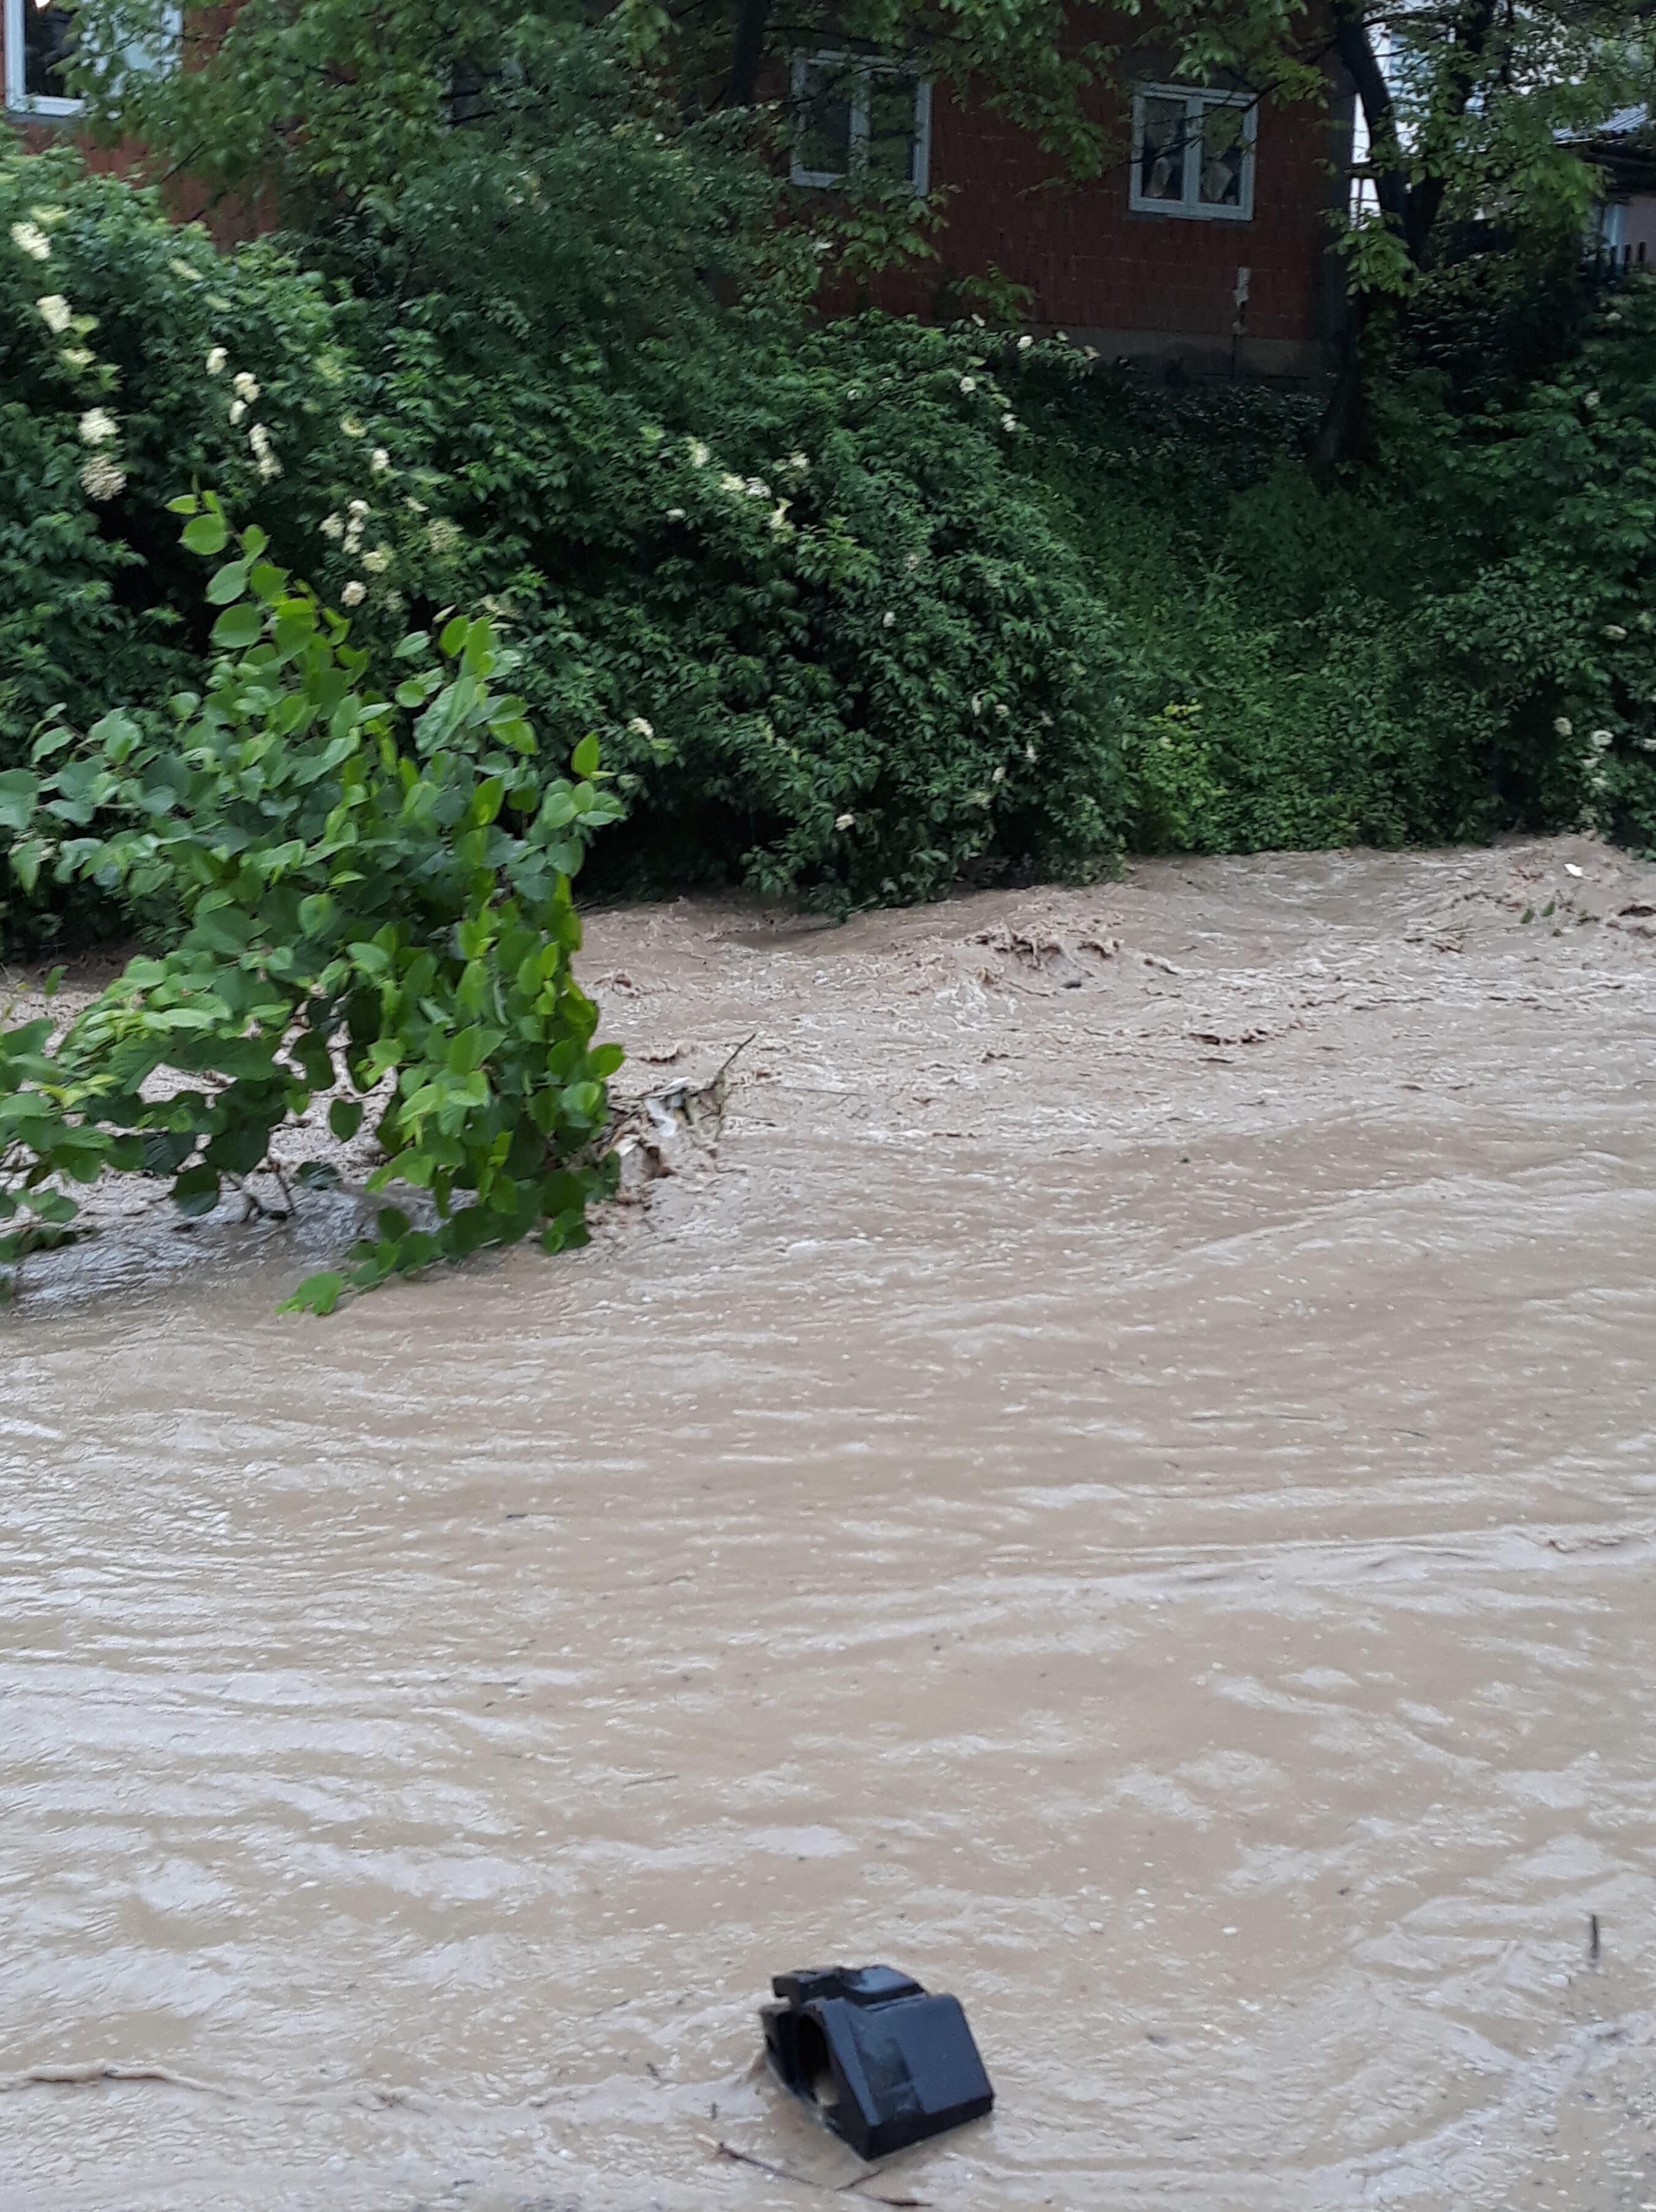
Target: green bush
786	572
376	883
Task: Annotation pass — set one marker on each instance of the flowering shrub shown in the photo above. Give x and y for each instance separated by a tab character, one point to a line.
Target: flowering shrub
787	573
372	889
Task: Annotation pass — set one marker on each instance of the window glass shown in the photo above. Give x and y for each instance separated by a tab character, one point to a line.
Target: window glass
1161	150
48	33
893	99
822	122
1223	152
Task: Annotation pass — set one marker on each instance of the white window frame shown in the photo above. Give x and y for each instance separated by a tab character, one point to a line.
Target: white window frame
20	101
1192	207
860	68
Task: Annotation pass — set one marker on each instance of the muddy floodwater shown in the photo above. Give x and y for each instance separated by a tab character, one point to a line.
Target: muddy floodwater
1126	1488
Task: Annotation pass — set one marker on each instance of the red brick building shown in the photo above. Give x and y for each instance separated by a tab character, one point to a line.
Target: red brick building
1205	241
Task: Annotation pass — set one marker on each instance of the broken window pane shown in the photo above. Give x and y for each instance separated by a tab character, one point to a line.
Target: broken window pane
48	33
892	136
1224	150
1161	150
822	118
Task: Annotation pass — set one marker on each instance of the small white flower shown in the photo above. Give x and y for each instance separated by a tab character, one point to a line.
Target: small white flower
217	361
911	562
1591	399
246	387
729	482
333	526
379	460
97	427
888	620
351	427
779	514
969	385
1009	422
999	776
353	536
102	478
1602	740
55	312
260	439
756	488
1615	632
359	507
441	535
1003	713
30	238
77	357
845	821
1063	337
1563	727
1091	352
378	560
1029	752
238	409
416	506
699	455
977	702
799	462
675	514
353	594
1024	342
640	728
1570	869
981	324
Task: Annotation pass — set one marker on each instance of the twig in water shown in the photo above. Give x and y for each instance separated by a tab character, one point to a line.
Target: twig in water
722	2149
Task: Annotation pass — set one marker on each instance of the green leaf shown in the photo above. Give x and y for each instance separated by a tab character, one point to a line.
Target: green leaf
227	584
196	1192
317	1294
19	791
584	759
345	1118
238	1150
208	534
317	1174
238	626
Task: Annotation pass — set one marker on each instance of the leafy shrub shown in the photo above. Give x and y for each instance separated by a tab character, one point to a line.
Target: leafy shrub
785	572
384	882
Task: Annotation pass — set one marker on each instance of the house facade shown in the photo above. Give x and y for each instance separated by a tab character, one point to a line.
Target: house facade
1203	245
1206	241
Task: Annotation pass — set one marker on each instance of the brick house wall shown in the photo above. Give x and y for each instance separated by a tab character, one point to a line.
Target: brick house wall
1148	286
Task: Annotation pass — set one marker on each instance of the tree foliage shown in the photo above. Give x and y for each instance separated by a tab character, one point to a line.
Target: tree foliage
370	891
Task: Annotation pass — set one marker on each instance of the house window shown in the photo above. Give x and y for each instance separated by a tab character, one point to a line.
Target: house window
39	39
1193	153
858	118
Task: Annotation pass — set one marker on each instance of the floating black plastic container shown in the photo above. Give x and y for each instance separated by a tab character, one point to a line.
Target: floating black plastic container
883	2062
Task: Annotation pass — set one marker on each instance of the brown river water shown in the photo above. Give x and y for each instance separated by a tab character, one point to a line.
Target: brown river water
1126	1488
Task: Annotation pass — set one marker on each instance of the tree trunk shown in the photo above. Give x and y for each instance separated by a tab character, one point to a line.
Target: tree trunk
1343	432
747	54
